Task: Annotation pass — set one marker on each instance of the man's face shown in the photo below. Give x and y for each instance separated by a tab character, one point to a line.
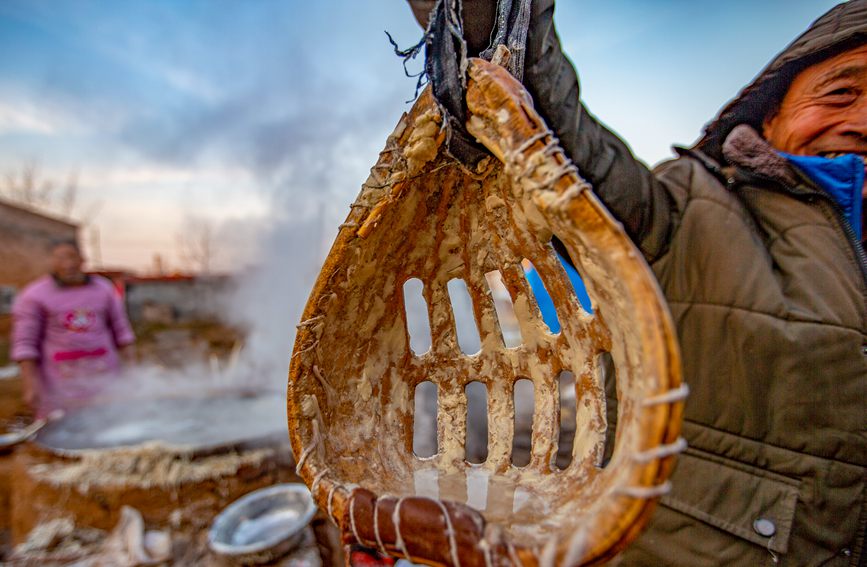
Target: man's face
66	264
824	112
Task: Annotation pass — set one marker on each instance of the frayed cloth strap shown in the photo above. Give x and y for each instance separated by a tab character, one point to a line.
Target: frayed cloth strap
513	24
446	64
446	59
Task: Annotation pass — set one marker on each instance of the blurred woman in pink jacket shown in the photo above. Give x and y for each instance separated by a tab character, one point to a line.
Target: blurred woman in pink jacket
69	329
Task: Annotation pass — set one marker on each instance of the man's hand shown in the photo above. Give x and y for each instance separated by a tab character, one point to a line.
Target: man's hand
29	382
479	17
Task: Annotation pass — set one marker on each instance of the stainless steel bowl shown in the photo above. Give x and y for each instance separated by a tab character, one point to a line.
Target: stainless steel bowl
262	525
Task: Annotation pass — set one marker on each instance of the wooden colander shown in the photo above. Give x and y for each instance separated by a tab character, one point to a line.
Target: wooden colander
353	374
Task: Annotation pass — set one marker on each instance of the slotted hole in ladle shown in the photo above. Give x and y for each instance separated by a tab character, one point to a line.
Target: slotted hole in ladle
574	277
608	376
424	426
477	422
465	322
568	411
505	309
543	298
417	321
525	405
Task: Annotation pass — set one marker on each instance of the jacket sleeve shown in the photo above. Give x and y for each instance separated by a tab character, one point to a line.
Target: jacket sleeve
626	186
118	321
28	328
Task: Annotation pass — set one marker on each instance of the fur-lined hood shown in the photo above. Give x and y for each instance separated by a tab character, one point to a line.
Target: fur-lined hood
840	29
744	147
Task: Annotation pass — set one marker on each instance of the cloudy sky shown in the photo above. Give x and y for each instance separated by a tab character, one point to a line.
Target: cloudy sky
246	115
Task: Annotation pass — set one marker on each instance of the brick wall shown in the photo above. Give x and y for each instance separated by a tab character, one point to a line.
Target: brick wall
24	238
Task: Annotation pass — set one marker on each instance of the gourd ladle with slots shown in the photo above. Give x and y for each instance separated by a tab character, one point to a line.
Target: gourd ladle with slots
421	214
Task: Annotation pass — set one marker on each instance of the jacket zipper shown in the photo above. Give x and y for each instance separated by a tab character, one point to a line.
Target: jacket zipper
813	193
742	176
850	235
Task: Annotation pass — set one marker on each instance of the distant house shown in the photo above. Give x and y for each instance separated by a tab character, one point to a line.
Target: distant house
169	299
25	235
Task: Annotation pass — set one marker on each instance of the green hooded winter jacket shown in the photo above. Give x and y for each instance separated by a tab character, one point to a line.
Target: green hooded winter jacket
766	285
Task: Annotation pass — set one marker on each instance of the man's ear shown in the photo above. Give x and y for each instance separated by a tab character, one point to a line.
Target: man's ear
769	123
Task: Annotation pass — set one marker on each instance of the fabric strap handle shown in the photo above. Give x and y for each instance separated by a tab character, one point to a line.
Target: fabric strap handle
513	23
446	64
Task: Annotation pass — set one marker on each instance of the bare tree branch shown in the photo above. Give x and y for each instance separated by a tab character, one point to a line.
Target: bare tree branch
27	186
196	244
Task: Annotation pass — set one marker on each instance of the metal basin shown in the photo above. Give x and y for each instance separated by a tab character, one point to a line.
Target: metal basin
262	525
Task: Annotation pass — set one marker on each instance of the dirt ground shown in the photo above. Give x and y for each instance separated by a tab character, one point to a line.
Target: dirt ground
62	543
31	500
31	497
172	345
13	414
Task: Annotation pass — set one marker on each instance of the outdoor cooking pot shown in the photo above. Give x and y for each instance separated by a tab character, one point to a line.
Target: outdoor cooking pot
353	378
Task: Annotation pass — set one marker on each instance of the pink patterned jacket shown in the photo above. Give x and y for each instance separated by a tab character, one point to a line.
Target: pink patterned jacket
73	332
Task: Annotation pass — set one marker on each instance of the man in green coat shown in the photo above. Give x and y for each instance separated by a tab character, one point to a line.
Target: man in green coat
755	237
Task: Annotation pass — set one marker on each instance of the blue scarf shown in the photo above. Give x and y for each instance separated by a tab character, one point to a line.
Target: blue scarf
841	177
